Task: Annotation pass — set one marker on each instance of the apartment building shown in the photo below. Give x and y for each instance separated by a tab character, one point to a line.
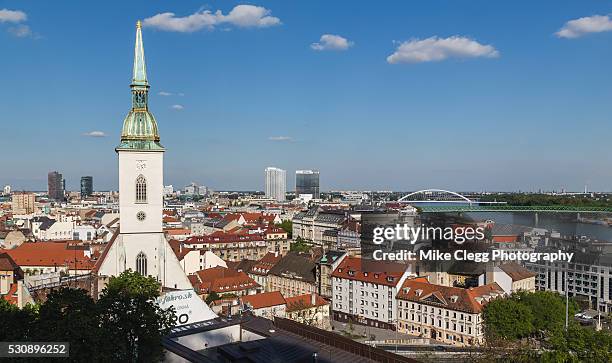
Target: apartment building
364	291
444	313
588	277
293	275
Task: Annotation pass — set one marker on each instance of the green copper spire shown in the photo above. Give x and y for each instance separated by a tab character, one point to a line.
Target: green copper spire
140	68
139	127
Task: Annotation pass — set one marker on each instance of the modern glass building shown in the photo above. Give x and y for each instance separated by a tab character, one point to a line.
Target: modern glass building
276	183
307	182
86	186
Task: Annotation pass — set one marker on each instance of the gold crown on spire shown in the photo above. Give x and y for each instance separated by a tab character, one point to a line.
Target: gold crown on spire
138	24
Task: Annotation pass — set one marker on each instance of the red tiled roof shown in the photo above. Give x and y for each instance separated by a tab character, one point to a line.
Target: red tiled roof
176	231
516	271
223	280
350	268
49	254
469	300
302	302
99	262
263	266
264	300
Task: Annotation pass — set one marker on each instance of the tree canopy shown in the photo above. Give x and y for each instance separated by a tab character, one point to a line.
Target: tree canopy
125	325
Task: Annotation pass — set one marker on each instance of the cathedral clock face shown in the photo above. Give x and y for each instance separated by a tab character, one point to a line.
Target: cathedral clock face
141	216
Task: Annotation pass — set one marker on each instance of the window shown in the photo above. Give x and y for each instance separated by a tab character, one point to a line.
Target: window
141	264
141	189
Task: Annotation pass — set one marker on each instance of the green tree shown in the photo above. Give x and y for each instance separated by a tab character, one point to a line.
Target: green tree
70	315
213	296
16	324
132	323
299	246
287	226
508	319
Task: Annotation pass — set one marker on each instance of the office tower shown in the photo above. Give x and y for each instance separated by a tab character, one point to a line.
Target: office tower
86	186
276	183
56	184
307	182
23	203
7	189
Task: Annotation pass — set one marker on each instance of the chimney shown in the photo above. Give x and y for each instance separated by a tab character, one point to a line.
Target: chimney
313	299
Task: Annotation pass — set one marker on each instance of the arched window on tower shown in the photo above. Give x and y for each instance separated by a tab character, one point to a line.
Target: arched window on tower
141	263
141	189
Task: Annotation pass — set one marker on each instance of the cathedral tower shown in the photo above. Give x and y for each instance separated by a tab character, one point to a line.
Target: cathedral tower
140	244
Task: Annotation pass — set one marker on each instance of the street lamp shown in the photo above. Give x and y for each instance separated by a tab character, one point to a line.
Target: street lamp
567	281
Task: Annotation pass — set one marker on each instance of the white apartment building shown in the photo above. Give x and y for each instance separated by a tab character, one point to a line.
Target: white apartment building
364	292
444	313
276	183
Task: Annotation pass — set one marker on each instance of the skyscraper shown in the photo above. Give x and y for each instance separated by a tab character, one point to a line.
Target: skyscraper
86	186
307	182
55	182
276	183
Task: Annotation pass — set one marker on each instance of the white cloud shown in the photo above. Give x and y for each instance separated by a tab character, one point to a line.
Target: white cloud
437	49
177	107
95	134
164	93
332	42
20	31
244	16
280	138
590	24
12	16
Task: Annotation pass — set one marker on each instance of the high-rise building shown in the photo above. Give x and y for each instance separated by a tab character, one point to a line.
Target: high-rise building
276	183
7	189
23	203
307	182
86	186
141	245
56	183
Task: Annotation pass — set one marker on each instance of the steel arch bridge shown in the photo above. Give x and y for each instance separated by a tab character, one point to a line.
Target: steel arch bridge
435	196
446	201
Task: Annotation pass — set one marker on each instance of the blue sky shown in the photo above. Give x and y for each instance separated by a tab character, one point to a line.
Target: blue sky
480	95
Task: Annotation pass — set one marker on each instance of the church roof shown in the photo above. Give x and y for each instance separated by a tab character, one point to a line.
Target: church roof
140	130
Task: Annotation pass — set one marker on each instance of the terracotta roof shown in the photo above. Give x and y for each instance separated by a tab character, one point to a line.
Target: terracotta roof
176	231
50	254
264	300
265	264
223	280
381	273
516	271
302	302
178	251
168	219
469	300
7	263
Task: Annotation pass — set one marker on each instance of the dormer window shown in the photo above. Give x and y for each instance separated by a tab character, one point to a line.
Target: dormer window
351	273
454	298
390	278
418	292
376	276
365	274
